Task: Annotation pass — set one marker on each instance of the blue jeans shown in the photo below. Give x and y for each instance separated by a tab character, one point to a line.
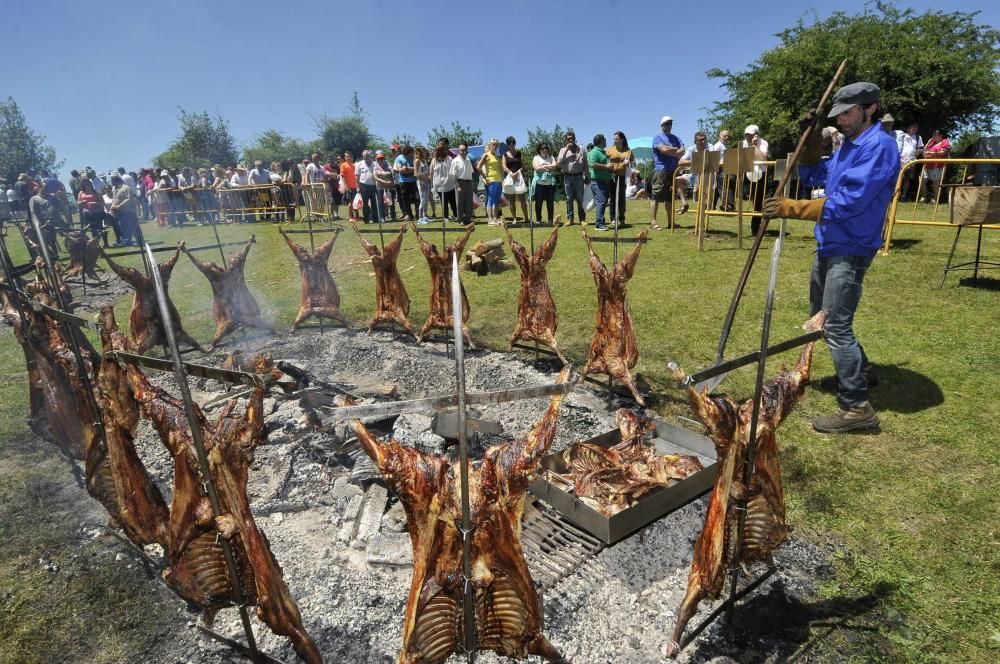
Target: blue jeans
601	189
835	287
573	186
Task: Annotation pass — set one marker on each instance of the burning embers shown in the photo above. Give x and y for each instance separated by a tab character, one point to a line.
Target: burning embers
508	616
611	479
728	426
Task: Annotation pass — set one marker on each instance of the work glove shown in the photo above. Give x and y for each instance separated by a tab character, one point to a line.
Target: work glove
777	207
812	149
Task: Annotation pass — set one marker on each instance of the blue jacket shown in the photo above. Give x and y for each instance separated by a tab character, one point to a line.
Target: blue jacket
859	180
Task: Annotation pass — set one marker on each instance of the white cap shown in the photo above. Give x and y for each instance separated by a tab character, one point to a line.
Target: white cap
752	129
666	118
164	173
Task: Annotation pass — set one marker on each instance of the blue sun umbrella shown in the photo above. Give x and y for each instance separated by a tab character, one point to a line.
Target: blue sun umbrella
642	147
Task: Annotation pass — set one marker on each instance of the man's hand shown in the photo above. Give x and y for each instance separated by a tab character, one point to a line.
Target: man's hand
790	208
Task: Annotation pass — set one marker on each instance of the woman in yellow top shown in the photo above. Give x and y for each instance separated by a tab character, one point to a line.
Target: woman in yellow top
620	158
490	166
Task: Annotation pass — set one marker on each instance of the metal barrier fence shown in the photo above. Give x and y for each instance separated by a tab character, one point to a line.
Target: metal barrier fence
317	199
937	183
271	202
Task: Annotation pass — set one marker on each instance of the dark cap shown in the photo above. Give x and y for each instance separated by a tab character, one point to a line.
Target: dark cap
854	94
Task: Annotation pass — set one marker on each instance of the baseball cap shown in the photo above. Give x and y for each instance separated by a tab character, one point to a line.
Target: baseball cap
854	94
164	173
665	119
752	129
379	153
888	118
395	146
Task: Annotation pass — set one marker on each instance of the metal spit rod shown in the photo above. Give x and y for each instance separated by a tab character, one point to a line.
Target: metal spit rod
463	460
748	463
199	444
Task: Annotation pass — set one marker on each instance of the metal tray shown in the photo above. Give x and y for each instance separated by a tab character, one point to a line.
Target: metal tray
669	439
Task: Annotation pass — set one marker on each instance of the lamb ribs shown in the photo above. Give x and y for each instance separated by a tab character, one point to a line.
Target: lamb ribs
392	303
440	316
232	303
536	310
319	296
197	568
728	426
613	350
145	322
508	613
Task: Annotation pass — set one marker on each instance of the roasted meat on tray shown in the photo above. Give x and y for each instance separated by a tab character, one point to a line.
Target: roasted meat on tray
509	618
728	426
613	350
232	303
611	479
392	304
536	310
440	266
197	568
319	296
145	322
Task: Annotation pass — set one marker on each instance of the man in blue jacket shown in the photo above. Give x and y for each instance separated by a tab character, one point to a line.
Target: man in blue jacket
859	179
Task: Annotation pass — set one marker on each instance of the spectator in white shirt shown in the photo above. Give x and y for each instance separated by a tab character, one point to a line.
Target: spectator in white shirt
751	137
364	171
462	170
911	147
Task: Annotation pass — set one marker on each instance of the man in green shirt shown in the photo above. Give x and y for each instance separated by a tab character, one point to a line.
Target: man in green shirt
600	178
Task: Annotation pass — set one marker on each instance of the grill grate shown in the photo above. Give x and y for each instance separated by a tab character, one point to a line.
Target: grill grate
553	546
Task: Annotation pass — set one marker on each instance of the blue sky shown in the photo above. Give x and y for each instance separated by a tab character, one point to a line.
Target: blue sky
103	81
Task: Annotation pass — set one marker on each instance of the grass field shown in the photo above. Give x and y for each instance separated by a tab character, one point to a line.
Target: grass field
912	508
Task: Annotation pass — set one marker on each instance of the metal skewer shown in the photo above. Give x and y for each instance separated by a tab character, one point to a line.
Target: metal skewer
463	460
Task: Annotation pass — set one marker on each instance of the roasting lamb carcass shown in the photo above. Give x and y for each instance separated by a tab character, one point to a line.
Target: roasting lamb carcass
232	303
197	568
440	266
613	350
536	310
141	511
145	322
319	296
508	612
83	255
392	304
728	426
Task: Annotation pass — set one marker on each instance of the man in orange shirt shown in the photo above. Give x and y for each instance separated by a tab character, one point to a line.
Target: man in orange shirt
350	182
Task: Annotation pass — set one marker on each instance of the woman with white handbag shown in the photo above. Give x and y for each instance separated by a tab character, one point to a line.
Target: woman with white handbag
514	186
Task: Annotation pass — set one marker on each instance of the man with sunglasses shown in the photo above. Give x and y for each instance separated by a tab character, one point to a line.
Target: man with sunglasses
667	151
572	161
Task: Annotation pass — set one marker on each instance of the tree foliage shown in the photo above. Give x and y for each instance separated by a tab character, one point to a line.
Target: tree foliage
348	132
21	149
203	142
555	138
272	145
935	68
455	133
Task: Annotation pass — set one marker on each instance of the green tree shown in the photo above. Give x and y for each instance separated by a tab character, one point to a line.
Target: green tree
556	138
935	68
455	133
355	109
344	133
272	145
203	142
21	149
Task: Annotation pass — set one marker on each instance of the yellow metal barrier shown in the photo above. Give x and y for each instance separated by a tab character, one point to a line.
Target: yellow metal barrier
905	172
317	200
266	201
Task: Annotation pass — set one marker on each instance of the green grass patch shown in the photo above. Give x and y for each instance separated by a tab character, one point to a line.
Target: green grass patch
914	506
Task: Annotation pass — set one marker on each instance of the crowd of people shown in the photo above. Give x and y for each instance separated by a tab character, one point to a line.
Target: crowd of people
416	180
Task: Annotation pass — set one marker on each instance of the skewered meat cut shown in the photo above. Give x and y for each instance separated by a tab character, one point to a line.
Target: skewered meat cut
140	509
611	479
729	428
145	322
613	350
392	304
42	285
83	254
508	615
319	296
197	568
232	303
440	266
536	310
